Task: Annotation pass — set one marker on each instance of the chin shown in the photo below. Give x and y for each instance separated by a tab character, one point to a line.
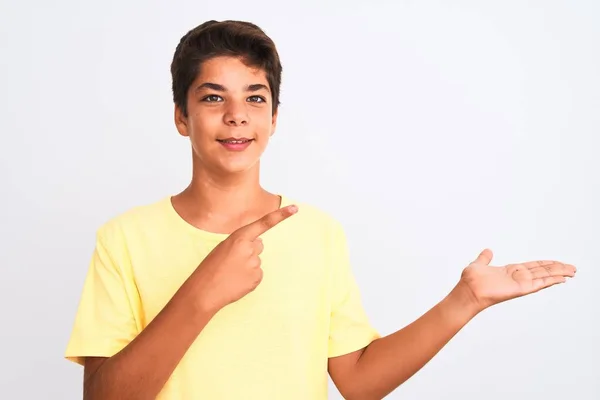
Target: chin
238	166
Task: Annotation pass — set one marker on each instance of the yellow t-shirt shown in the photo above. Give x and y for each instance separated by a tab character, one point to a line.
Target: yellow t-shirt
271	344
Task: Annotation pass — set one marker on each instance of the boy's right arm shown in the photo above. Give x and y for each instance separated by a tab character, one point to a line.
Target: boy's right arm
141	369
228	273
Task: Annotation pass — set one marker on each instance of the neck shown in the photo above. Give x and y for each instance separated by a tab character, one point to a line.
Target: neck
216	194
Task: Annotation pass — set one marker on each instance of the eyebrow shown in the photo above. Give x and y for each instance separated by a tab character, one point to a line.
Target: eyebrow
256	87
220	88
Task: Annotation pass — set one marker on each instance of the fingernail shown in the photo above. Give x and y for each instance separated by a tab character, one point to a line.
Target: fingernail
293	208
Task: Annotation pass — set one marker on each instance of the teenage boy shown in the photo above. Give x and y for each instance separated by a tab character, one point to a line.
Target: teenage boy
228	291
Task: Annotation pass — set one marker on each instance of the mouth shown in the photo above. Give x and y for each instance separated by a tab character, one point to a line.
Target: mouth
234	140
235	144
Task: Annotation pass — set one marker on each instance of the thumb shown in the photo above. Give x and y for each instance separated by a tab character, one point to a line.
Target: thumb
485	257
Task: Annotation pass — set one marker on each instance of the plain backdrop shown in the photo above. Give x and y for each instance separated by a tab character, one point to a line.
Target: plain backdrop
430	129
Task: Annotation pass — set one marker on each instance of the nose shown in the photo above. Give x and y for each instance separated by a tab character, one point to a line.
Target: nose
236	115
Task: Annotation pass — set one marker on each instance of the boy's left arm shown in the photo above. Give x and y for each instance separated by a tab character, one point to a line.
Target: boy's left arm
378	369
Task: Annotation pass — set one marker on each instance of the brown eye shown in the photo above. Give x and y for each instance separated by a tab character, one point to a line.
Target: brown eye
212	98
256	99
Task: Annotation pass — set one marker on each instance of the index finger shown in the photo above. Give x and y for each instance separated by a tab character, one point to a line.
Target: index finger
262	225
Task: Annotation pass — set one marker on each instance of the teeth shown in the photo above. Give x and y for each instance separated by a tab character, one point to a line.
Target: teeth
235	141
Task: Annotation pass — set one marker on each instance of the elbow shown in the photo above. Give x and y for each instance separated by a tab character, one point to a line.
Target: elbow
360	392
94	389
360	396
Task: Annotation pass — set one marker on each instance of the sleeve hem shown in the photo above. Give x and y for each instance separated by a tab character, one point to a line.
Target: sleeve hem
78	356
349	346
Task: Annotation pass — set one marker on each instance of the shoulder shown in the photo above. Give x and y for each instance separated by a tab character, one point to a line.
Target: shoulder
315	218
134	221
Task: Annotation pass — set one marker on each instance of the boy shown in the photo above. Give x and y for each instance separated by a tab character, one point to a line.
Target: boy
227	291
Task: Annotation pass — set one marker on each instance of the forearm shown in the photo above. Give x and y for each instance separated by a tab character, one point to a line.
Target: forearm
388	362
143	367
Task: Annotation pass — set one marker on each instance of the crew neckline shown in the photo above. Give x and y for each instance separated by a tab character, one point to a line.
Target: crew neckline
178	219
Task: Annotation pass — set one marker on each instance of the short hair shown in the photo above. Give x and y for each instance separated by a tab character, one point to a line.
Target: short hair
223	38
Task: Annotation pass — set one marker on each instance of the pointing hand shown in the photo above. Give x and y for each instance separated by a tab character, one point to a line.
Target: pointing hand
233	268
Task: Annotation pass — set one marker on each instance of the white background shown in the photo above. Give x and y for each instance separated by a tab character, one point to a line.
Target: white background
430	129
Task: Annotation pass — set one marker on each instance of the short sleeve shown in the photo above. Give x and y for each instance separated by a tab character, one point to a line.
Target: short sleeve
350	329
104	322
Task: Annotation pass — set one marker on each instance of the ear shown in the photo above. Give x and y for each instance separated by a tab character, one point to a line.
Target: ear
181	122
274	121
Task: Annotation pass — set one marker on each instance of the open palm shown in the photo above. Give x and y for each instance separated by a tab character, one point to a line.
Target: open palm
491	285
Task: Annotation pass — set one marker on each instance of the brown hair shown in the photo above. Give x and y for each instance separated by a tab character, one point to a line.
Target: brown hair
224	38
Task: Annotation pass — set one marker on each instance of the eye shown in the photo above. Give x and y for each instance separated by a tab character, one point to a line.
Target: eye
212	98
256	99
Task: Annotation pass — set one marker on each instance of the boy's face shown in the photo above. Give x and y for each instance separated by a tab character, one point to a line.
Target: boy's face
230	117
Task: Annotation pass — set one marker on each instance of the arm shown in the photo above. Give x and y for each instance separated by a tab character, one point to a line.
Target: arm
141	369
386	363
142	366
374	372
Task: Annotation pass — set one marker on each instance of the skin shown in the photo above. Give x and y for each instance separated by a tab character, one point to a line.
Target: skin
225	196
378	369
225	191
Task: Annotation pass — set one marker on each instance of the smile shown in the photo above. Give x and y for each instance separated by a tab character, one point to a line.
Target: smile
235	144
234	141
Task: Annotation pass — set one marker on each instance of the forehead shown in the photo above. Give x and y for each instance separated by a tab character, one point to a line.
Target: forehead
230	71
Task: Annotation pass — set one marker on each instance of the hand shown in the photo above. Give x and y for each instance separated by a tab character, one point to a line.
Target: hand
233	268
492	285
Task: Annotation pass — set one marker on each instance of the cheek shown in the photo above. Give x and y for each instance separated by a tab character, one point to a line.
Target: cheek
204	126
262	123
